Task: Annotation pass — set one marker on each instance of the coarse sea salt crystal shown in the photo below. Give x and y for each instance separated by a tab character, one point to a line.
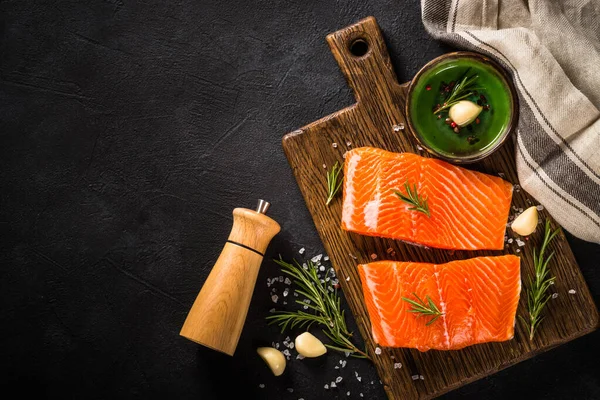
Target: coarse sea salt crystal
286	352
324	166
397	365
326	258
262	386
348	279
361	395
415	377
285	292
572	291
377	350
317	258
419	148
539	207
302	250
334	145
421	377
305	307
291	346
326	386
554	295
291	390
322	268
343	362
353	256
510	240
398	127
520	243
348	143
347	393
338	379
299	357
333	384
287	281
517	250
274	298
337	367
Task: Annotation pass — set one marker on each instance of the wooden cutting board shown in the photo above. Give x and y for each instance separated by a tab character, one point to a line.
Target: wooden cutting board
375	120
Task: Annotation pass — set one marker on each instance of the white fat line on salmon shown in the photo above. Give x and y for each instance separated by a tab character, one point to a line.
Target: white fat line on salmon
442	306
385	327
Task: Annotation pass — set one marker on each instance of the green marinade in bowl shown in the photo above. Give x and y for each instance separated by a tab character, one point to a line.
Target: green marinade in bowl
480	138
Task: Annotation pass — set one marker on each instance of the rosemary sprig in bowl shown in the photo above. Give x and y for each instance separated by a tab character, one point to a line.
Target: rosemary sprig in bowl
325	304
537	295
463	89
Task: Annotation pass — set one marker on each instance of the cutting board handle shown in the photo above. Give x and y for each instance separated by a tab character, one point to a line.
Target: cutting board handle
362	55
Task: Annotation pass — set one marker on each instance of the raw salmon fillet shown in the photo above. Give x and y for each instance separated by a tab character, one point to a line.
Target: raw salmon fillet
469	210
478	297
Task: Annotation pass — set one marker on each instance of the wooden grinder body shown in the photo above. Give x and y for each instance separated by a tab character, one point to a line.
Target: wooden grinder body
217	316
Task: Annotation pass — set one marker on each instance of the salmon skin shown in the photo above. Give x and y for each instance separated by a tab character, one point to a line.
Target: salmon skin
478	298
468	209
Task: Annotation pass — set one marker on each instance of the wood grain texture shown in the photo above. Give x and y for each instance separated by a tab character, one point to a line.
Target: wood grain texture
218	314
370	122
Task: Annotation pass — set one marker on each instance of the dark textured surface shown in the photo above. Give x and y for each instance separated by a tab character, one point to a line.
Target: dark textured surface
129	133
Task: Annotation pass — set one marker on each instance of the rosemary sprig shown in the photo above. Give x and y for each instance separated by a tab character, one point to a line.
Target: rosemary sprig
464	87
537	295
325	304
333	186
424	308
413	198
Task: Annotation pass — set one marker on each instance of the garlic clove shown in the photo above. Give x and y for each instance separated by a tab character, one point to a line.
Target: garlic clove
526	222
309	346
464	112
274	359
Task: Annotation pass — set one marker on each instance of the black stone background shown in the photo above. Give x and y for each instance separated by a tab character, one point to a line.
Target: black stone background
130	130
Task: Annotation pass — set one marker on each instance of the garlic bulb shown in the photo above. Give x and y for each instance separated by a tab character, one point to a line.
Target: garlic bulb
274	359
464	112
309	346
526	222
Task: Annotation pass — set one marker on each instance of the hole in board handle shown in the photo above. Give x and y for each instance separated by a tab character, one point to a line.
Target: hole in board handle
359	47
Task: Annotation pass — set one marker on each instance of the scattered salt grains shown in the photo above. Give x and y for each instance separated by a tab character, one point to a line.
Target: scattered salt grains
326	386
295	294
347	393
501	174
291	346
419	148
398	127
374	256
324	166
397	365
262	386
274	298
286	352
510	240
332	384
348	279
539	207
421	377
361	395
285	292
305	307
277	346
353	256
520	243
281	279
337	367
272	310
291	390
343	362
299	357
305	266
338	379
415	377
554	295
358	378
348	143
517	250
317	258
287	281
302	250
334	145
377	350
322	268
572	291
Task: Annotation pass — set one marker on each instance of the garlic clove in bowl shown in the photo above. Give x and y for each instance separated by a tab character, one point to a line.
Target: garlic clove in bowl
526	222
274	359
464	112
309	346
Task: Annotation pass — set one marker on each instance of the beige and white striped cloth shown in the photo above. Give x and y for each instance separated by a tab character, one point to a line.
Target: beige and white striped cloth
552	50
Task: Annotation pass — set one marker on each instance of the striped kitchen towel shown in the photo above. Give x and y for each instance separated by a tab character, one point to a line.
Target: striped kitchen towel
552	51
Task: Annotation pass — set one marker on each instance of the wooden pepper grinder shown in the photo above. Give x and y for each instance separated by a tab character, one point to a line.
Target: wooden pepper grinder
218	314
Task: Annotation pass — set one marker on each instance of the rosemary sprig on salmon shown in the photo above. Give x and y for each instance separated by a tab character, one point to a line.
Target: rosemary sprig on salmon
537	294
424	308
413	198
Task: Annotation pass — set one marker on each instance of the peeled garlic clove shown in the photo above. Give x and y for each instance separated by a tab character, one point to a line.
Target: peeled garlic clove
309	346
274	359
526	222
464	112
